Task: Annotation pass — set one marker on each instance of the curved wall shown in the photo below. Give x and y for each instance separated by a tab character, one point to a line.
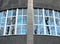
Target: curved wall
8	4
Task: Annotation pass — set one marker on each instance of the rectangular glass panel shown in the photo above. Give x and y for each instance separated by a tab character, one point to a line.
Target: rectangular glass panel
41	29
40	12
19	11
24	19
35	29
46	12
41	20
35	19
52	28
19	20
1	30
51	13
58	30
35	11
9	21
24	11
18	29
48	30
24	29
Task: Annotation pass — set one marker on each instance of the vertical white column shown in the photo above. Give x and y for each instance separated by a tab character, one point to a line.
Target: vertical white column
44	22
16	21
54	22
5	23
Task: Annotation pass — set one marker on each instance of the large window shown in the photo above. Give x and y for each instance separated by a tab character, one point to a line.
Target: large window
13	21
46	22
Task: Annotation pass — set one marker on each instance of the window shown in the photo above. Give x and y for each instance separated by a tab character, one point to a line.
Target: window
46	22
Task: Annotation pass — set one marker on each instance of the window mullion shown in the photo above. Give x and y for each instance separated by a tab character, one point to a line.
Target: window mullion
5	23
44	22
54	22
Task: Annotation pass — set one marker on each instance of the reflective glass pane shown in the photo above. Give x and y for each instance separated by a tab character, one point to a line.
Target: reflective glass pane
35	29
46	12
40	12
24	11
51	21
3	20
41	20
57	22
24	29
35	11
35	19
1	30
47	29
58	30
47	20
7	30
52	28
59	14
41	29
13	20
1	14
19	11
24	19
14	13
19	29
9	21
12	30
50	13
56	14
19	20
11	12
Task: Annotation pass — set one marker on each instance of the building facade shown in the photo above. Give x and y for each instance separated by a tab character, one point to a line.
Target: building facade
29	21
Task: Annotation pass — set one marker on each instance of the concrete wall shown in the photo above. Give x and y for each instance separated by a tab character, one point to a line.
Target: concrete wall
21	39
8	4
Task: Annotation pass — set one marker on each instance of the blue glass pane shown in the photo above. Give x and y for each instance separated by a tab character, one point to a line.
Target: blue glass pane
41	20
19	29
19	11
35	19
9	21
24	11
41	28
57	22
19	20
11	12
52	30
46	12
4	13
1	30
51	21
50	13
13	20
24	29
1	14
47	20
35	11
47	30
59	14
8	30
35	29
24	19
12	30
3	21
40	12
56	14
58	30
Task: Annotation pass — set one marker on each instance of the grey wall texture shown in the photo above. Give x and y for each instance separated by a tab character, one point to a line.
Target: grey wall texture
22	39
8	4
